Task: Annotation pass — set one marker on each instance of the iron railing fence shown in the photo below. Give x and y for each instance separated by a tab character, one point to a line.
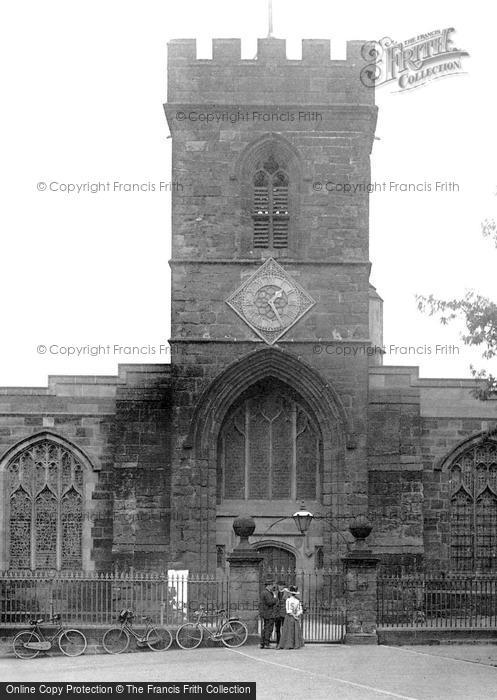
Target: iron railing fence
96	598
322	593
449	601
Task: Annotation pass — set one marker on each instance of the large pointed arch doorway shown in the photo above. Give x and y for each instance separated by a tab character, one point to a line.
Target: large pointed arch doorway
268	432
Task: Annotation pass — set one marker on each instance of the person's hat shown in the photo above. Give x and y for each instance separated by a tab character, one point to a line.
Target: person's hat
280	583
294	590
268	582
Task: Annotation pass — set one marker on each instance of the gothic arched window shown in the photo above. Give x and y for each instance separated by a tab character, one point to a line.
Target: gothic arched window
318	558
269	448
473	509
45	508
270	204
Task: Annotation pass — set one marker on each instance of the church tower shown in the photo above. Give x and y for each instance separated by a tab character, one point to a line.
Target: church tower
270	296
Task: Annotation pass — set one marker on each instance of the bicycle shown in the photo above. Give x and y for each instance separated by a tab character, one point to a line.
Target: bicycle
229	630
28	643
116	639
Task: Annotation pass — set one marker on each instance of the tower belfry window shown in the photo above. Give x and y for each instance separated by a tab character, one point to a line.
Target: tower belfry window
270	205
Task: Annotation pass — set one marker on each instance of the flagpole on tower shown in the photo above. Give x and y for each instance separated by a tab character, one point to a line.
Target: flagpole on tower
270	17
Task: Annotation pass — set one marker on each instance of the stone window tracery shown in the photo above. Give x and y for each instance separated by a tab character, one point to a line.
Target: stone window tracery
269	449
45	508
473	509
270	213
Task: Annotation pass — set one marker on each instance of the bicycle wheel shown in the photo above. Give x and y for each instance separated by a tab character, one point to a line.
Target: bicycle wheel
19	642
234	633
159	640
189	635
115	640
72	643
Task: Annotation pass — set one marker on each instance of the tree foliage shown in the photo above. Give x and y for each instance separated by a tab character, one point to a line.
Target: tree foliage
479	314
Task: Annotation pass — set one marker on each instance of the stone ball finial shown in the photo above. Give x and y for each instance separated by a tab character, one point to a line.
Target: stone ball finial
244	526
244	553
360	527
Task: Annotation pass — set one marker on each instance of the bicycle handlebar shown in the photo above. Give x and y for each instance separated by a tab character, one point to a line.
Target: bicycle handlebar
202	611
41	620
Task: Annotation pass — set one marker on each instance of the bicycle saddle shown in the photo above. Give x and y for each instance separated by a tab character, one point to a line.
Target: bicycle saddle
36	622
125	614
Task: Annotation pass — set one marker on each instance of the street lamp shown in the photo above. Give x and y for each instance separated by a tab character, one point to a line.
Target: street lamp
303	519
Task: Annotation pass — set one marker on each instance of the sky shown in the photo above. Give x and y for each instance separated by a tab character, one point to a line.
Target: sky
83	88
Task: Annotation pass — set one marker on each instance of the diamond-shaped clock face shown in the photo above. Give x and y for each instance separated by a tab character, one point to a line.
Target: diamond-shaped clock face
270	301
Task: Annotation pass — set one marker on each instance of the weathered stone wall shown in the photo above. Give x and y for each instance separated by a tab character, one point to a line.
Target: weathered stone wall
142	470
269	79
450	414
213	111
395	467
344	486
81	410
211	210
414	425
121	424
200	312
440	437
361	597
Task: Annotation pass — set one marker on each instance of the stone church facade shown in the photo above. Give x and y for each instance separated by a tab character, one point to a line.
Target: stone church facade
275	394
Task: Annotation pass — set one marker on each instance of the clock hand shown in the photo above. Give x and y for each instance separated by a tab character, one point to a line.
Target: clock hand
271	301
271	304
276	295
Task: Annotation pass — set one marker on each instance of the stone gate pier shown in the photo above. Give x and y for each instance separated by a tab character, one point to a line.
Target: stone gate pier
245	572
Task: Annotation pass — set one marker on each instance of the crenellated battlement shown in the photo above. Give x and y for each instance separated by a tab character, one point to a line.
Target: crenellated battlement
269	49
270	78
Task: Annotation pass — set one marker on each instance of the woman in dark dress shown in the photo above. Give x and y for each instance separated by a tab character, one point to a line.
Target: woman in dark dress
291	634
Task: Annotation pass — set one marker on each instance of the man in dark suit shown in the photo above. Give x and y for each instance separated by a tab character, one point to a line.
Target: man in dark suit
280	611
267	609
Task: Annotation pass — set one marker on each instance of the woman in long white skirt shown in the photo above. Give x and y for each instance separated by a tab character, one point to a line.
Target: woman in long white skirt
291	634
